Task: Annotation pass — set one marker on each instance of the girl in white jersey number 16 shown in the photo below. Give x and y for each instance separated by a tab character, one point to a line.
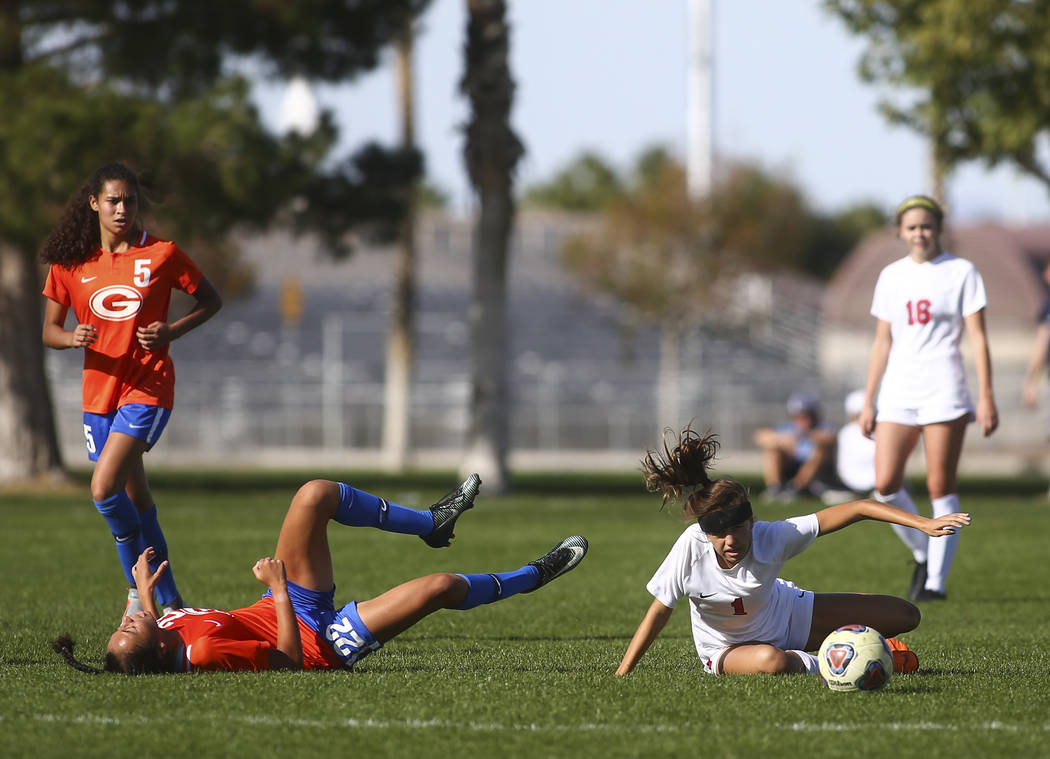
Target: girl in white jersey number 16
923	302
745	619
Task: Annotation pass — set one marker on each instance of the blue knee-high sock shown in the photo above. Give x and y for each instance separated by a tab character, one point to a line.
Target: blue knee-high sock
360	509
484	589
153	536
123	520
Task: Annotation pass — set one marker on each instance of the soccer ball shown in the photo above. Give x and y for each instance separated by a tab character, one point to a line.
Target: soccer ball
855	657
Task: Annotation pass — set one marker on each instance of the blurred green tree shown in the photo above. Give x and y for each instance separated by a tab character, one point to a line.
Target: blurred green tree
84	82
673	260
587	183
975	74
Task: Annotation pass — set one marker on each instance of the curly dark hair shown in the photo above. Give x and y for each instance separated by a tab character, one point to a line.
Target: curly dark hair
75	238
144	661
682	470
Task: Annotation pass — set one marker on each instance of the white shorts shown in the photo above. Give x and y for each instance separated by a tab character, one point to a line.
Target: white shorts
919	417
795	633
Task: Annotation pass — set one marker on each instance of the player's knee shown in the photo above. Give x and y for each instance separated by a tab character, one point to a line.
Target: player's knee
769	660
446	587
103	488
316	495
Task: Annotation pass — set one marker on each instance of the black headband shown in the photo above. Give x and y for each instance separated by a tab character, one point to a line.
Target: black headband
721	521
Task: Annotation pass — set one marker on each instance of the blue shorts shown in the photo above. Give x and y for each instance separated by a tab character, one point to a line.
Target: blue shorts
344	630
136	419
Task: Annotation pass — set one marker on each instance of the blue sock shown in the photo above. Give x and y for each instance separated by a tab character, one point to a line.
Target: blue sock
153	536
360	509
123	520
484	589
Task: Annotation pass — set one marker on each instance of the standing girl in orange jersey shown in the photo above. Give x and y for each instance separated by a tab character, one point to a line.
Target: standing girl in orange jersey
118	280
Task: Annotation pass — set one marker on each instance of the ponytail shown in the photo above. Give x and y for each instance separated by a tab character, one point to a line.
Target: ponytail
63	645
682	470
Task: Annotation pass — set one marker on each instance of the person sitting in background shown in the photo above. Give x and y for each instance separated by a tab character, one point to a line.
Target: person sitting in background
854	455
798	456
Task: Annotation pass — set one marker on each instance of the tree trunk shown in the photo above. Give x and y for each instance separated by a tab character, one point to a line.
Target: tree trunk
491	152
668	398
400	343
28	438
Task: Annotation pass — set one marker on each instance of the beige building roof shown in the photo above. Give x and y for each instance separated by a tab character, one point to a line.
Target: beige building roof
1010	261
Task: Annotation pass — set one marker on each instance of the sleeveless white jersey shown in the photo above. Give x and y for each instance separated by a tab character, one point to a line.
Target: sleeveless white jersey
747	603
925	304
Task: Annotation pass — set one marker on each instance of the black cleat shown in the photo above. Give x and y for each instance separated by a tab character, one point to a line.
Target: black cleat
930	595
918	581
447	511
560	559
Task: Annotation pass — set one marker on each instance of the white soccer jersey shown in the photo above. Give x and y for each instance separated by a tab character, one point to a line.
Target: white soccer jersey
925	304
744	604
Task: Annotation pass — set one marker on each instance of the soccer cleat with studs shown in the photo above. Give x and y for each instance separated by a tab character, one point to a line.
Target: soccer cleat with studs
448	509
563	558
905	661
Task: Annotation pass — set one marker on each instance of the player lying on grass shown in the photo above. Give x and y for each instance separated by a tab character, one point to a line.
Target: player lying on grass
296	625
745	619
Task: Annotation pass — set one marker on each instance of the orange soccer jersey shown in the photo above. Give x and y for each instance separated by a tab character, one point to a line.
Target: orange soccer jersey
240	639
117	293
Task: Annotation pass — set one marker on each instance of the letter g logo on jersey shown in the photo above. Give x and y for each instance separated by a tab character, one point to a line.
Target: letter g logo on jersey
116	303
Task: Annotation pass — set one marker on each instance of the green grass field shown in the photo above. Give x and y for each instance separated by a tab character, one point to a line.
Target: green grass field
529	677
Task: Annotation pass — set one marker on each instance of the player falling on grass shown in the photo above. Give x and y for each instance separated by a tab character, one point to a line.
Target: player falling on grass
296	625
745	619
118	281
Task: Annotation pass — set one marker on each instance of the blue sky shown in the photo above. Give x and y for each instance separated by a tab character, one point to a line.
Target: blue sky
610	76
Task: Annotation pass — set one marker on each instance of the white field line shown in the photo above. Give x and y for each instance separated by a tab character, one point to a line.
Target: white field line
415	724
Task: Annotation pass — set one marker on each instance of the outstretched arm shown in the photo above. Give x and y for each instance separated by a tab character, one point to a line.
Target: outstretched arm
836	517
650	627
289	651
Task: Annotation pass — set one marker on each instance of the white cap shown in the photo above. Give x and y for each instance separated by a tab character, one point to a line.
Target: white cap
855	402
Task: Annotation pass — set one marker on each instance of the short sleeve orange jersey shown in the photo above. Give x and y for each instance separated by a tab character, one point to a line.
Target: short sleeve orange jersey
238	640
117	293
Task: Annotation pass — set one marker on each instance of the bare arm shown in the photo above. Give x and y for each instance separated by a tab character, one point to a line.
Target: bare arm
1036	366
653	622
146	580
159	334
987	414
824	451
844	514
289	651
877	359
55	334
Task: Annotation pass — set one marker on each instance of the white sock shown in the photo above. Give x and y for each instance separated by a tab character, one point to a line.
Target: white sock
916	540
942	550
809	660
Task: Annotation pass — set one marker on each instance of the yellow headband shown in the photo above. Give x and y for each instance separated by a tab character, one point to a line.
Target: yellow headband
920	201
